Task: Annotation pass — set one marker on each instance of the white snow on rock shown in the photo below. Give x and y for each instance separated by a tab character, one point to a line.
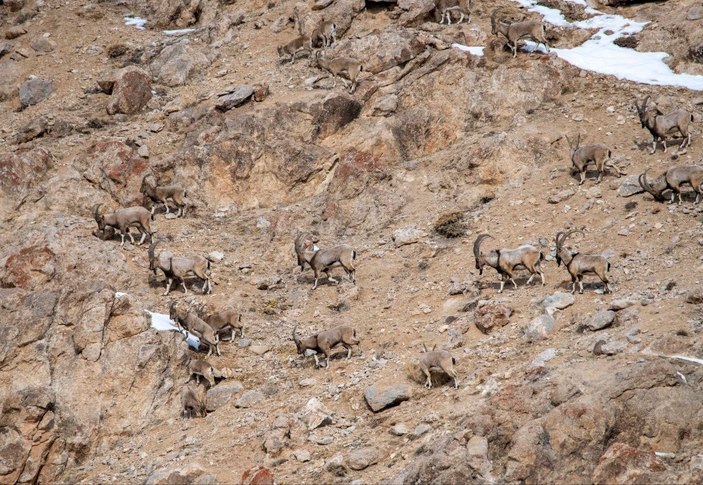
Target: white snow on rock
163	323
136	22
600	54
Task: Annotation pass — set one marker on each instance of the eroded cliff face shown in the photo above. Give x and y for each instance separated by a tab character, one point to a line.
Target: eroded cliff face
90	392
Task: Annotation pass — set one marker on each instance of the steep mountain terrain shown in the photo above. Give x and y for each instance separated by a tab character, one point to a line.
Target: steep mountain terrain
434	147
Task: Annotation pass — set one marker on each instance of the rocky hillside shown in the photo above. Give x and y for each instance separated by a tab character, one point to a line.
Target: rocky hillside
434	147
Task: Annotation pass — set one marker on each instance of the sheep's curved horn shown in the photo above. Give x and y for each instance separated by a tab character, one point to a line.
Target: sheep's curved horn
96	216
648	188
477	247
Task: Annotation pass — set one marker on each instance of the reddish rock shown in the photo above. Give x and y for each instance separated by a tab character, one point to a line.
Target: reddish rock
624	464
261	91
21	170
131	90
257	476
492	315
115	167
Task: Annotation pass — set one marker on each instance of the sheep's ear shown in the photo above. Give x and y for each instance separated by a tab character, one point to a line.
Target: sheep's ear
424	347
434	347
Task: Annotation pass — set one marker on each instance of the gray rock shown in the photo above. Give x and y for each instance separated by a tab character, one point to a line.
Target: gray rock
560	196
477	447
543	357
603	347
558	301
143	151
622	303
380	396
399	429
249	399
221	394
307	382
632	335
421	429
335	465
15	31
386	105
233	98
601	320
457	288
630	186
178	63
43	45
540	327
407	235
216	256
5	47
302	455
259	349
35	90
321	4
362	458
695	12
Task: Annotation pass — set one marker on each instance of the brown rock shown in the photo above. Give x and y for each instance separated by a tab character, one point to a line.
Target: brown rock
178	63
261	91
492	315
257	476
34	129
622	463
15	31
131	91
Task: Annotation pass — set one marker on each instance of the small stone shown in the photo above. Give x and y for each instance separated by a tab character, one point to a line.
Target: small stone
601	320
399	429
492	315
362	458
302	455
694	297
630	186
560	196
262	223
233	97
621	304
143	151
543	358
603	347
421	429
155	127
171	215
14	32
407	235
379	397
216	256
259	349
35	90
307	382
624	232
558	301
249	399
695	12
540	327
221	394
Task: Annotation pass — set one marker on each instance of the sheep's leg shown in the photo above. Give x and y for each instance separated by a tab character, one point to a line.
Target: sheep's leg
502	284
141	241
130	235
654	147
122	236
185	290
581	285
583	177
513	282
317	361
349	351
529	280
573	285
680	201
168	286
153	208
461	16
428	381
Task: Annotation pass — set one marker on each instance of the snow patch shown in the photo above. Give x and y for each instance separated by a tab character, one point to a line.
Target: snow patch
178	31
600	54
136	22
688	359
119	294
163	323
473	50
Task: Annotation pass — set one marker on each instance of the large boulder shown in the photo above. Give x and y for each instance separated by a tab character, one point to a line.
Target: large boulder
35	90
379	396
131	90
179	63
